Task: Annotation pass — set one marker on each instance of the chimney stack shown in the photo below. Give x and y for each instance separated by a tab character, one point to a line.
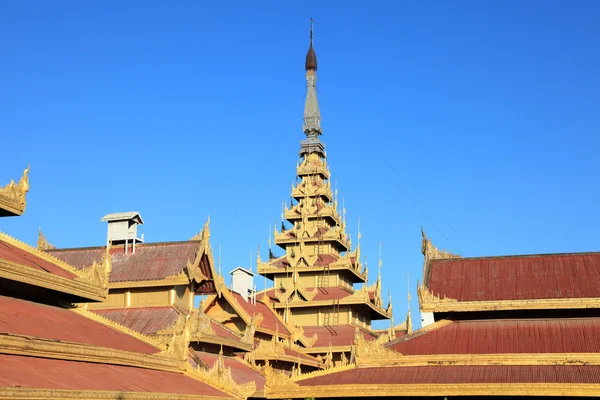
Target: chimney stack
122	229
242	282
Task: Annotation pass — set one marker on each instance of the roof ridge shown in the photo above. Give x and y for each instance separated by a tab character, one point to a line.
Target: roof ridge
139	245
40	253
444	260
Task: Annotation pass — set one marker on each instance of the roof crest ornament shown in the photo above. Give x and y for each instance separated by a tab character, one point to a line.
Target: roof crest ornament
42	243
13	195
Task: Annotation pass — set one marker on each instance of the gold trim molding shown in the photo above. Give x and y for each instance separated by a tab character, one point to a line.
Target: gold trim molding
437	390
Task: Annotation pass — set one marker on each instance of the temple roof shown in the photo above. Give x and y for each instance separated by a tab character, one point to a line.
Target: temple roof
19	373
22	317
23	263
241	371
511	282
458	374
146	320
150	262
494	336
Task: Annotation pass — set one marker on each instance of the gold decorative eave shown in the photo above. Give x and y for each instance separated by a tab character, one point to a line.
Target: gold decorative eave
286	358
430	303
394	359
24	345
176	280
344	301
90	283
19	393
265	269
20	273
237	344
13	196
436	390
325	349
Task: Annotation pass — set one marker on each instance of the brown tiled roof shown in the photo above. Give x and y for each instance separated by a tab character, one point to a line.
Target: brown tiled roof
222	331
576	335
146	320
242	372
460	374
21	317
342	335
43	373
552	276
151	261
13	254
270	320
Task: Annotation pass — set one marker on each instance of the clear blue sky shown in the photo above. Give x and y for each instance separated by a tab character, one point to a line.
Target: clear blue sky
476	119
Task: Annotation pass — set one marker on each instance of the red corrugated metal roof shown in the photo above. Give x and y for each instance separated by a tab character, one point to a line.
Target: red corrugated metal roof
21	317
43	373
242	373
343	336
516	277
460	374
13	254
576	335
221	331
151	261
270	321
146	320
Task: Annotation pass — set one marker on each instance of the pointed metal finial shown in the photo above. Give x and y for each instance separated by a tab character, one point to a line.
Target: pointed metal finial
312	24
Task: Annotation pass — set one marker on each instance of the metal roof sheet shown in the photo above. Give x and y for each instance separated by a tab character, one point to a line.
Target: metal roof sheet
22	317
564	335
460	374
151	261
45	373
516	277
146	320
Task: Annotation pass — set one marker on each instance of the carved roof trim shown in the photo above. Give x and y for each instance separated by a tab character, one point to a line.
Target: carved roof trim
13	196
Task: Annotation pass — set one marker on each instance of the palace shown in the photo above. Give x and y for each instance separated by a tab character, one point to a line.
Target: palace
120	321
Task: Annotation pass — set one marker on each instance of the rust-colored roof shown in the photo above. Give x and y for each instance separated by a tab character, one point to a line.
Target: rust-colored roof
549	276
21	317
146	320
242	372
11	253
222	331
43	373
151	261
460	374
270	320
342	335
564	335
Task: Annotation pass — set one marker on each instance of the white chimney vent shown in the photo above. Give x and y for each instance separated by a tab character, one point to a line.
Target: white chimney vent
122	228
242	282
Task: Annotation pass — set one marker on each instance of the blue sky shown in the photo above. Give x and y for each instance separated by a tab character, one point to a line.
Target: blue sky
476	119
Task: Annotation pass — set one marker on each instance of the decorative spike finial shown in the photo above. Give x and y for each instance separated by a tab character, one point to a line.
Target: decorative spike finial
312	115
